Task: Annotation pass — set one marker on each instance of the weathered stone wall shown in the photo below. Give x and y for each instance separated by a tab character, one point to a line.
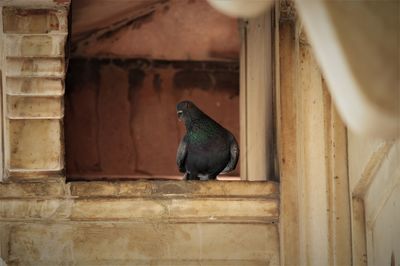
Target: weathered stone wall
139	223
33	86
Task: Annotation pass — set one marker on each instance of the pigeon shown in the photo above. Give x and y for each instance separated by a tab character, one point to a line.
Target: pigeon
207	149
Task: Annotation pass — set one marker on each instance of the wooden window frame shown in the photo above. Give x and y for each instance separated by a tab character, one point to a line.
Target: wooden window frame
256	98
312	153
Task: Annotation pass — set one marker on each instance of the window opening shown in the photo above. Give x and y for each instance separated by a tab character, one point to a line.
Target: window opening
129	66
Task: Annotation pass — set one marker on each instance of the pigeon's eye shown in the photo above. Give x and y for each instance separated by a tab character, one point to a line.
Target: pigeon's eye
179	112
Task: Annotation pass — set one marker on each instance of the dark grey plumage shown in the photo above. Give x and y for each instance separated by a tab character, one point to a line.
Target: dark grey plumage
207	149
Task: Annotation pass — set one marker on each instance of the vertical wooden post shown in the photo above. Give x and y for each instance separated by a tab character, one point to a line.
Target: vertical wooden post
243	99
359	241
1	97
256	98
315	215
286	52
338	186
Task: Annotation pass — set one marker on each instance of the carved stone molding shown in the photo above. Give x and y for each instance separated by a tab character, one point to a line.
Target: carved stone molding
33	63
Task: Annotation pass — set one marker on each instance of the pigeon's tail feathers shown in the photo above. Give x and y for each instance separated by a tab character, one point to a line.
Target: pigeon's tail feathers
234	155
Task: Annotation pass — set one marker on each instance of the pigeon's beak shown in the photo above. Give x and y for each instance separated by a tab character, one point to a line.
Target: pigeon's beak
180	112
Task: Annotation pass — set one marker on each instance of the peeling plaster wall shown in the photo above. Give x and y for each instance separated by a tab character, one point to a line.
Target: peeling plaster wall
168	30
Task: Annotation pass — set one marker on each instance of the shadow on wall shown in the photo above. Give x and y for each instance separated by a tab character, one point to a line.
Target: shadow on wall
120	117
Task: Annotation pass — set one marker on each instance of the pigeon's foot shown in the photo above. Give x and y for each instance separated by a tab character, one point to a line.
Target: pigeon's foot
203	177
185	176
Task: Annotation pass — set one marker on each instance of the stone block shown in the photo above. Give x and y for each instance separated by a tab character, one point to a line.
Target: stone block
34	86
138	209
23	190
35	45
234	188
34	107
35	67
143	244
176	189
34	209
210	209
29	20
35	144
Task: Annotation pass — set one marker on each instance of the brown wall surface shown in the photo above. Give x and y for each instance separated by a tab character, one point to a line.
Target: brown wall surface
120	116
168	30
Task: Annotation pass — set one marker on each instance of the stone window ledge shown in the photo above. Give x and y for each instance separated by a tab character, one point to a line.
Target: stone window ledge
161	201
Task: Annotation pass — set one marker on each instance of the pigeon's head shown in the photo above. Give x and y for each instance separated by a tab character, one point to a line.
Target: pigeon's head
187	111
